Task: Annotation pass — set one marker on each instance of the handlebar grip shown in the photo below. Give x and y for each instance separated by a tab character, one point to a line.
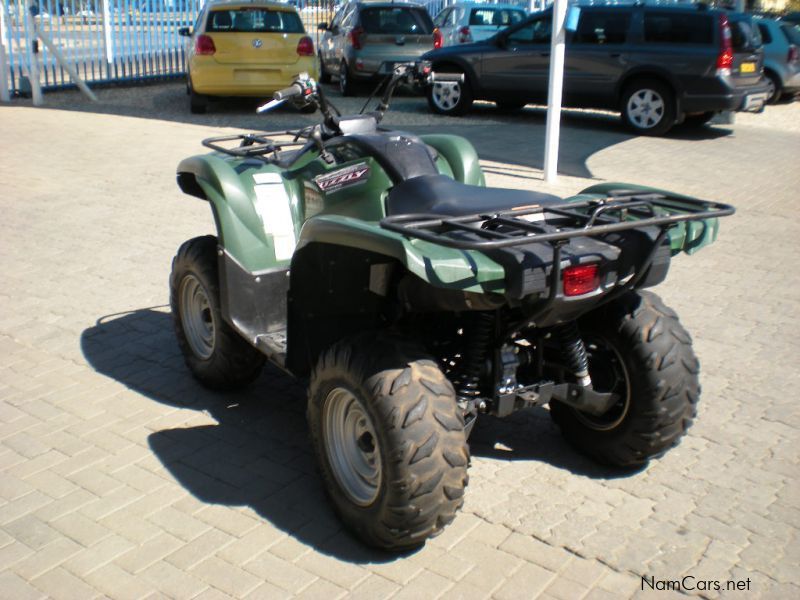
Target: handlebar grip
289	92
448	77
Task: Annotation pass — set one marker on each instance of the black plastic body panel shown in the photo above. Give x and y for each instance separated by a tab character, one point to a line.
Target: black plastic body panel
252	303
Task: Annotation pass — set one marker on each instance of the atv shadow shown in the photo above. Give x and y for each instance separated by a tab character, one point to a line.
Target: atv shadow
257	454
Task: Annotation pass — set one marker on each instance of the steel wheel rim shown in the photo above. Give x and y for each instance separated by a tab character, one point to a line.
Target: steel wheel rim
645	108
351	446
771	88
446	96
343	78
197	317
609	374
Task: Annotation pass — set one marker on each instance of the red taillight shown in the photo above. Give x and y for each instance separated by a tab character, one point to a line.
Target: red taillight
305	47
580	279
464	35
204	45
725	58
793	55
438	40
355	38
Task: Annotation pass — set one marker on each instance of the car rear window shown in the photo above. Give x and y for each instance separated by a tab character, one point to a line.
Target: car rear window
396	21
255	20
678	28
602	27
499	17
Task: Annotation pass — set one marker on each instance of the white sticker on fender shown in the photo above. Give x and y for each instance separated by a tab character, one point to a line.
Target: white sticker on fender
274	208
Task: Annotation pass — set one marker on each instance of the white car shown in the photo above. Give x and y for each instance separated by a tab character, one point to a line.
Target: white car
467	22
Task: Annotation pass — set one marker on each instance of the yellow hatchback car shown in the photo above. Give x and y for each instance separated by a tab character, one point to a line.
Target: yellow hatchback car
245	49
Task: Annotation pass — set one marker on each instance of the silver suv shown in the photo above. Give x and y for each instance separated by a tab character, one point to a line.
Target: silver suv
467	22
365	40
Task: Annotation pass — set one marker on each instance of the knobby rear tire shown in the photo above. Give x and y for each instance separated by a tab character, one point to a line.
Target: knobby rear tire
662	378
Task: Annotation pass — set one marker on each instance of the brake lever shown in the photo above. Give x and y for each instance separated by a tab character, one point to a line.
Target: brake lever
270	105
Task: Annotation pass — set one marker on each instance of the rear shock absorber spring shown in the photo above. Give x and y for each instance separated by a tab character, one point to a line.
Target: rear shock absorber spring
479	337
573	351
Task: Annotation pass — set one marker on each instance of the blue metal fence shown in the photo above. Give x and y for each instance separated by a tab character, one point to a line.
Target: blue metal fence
118	40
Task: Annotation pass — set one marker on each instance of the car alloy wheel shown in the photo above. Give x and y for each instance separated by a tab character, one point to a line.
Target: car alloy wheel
446	96
645	108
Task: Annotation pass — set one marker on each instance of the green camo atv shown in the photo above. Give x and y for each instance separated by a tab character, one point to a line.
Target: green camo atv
376	264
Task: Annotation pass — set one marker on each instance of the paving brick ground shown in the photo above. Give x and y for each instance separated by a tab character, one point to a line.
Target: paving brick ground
122	478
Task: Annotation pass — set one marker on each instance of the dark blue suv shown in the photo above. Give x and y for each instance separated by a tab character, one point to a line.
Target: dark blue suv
657	65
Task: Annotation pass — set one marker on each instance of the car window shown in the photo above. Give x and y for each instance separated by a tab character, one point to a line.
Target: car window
258	20
792	33
765	34
441	18
497	17
396	21
680	28
347	18
200	18
337	19
744	36
602	27
536	32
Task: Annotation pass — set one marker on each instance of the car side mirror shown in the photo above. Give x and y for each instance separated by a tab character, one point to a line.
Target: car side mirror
322	27
185	31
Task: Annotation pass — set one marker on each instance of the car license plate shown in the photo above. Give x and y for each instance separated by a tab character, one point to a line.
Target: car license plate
747	67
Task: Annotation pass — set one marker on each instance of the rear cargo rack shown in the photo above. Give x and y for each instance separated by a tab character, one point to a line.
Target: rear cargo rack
621	210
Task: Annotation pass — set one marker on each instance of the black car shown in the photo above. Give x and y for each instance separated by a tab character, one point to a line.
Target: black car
657	65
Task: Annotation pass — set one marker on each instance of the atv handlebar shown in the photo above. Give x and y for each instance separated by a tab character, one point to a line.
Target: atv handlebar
290	92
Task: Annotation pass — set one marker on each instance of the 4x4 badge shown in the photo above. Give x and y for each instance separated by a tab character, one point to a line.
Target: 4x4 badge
343	177
257	43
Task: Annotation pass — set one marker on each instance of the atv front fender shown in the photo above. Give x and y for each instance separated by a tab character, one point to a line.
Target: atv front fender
441	267
252	238
686	236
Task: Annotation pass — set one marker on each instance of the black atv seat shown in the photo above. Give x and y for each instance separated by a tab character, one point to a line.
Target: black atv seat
438	194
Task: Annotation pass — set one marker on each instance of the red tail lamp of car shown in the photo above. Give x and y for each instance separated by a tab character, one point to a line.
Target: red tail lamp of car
725	57
464	35
581	279
355	37
305	47
204	45
438	39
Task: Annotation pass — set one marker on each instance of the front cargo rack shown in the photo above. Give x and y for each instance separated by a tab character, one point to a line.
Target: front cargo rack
620	210
256	145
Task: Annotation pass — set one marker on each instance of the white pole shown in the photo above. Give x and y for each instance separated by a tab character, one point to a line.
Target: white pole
33	59
5	96
555	88
108	26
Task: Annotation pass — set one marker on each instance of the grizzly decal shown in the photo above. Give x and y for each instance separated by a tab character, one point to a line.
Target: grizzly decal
343	177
